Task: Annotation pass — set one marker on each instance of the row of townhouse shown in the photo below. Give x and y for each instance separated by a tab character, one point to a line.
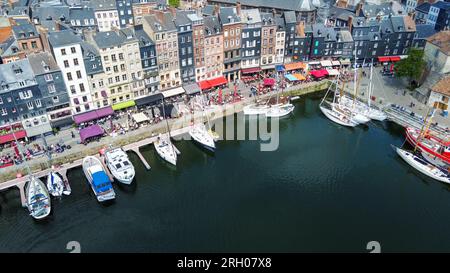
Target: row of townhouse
115	62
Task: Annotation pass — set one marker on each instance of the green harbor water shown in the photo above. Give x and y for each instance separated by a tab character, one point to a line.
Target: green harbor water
326	188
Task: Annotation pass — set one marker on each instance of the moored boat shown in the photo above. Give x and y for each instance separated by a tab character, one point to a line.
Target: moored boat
165	149
55	184
338	117
423	166
428	143
98	179
38	199
280	110
201	136
256	109
120	165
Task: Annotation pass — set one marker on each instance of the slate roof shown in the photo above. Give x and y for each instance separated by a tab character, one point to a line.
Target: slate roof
424	31
8	76
103	5
250	16
212	25
40	60
296	5
63	38
24	31
227	13
424	7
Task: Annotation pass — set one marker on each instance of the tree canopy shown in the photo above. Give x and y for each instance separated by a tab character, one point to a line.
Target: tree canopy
174	3
411	67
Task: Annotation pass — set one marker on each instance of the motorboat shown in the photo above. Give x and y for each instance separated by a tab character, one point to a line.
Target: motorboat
423	166
280	110
120	165
165	149
98	179
55	184
38	199
201	136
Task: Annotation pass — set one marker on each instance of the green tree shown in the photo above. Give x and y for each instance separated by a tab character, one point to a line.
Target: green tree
411	67
174	3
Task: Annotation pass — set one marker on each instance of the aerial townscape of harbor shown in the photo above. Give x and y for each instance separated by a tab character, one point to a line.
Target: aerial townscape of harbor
224	125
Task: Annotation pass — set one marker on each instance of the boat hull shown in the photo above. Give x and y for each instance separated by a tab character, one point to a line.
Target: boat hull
254	109
36	188
55	184
412	135
110	195
163	155
122	176
425	168
280	111
337	117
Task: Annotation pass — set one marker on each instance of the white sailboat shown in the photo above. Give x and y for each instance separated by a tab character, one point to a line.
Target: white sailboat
38	199
98	179
334	113
366	109
280	109
55	184
255	109
422	166
165	149
201	136
120	165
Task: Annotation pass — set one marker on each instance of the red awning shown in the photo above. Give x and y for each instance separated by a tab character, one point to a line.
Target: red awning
383	59
395	59
10	137
324	72
269	81
217	81
204	85
250	70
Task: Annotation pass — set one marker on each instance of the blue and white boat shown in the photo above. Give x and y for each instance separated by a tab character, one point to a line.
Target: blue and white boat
55	184
98	179
38	199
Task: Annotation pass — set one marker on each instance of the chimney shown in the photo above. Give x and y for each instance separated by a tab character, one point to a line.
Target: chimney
274	13
238	8
350	23
216	10
359	8
342	3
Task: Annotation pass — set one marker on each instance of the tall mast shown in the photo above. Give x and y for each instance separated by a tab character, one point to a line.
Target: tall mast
370	84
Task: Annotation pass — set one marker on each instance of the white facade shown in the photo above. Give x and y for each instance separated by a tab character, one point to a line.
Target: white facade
107	19
279	47
70	59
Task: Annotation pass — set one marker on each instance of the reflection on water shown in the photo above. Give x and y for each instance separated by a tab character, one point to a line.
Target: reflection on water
327	188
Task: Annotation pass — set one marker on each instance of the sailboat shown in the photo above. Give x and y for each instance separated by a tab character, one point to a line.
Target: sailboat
419	163
164	147
55	184
366	109
38	199
434	149
334	113
423	166
256	108
280	109
201	136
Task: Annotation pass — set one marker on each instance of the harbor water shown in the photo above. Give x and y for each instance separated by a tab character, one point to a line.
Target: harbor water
326	188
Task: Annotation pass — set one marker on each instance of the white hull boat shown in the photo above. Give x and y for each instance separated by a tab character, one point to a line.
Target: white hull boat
120	165
256	109
364	109
201	136
38	199
338	117
355	112
422	166
98	179
280	110
165	149
55	184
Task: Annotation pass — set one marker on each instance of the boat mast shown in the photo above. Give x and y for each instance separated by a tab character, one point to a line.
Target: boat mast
370	84
165	119
425	126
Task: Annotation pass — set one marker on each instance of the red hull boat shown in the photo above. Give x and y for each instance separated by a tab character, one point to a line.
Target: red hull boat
433	146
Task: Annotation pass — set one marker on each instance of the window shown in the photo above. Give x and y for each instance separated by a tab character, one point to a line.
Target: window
69	76
82	87
75	61
38	103
25	94
33	44
30	105
3	112
72	49
48	77
66	63
79	74
63	51
51	88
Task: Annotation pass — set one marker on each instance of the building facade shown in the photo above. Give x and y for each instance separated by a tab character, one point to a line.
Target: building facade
231	25
106	14
251	39
213	48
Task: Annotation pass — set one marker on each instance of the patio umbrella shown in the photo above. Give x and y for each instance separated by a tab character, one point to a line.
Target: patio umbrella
16	150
